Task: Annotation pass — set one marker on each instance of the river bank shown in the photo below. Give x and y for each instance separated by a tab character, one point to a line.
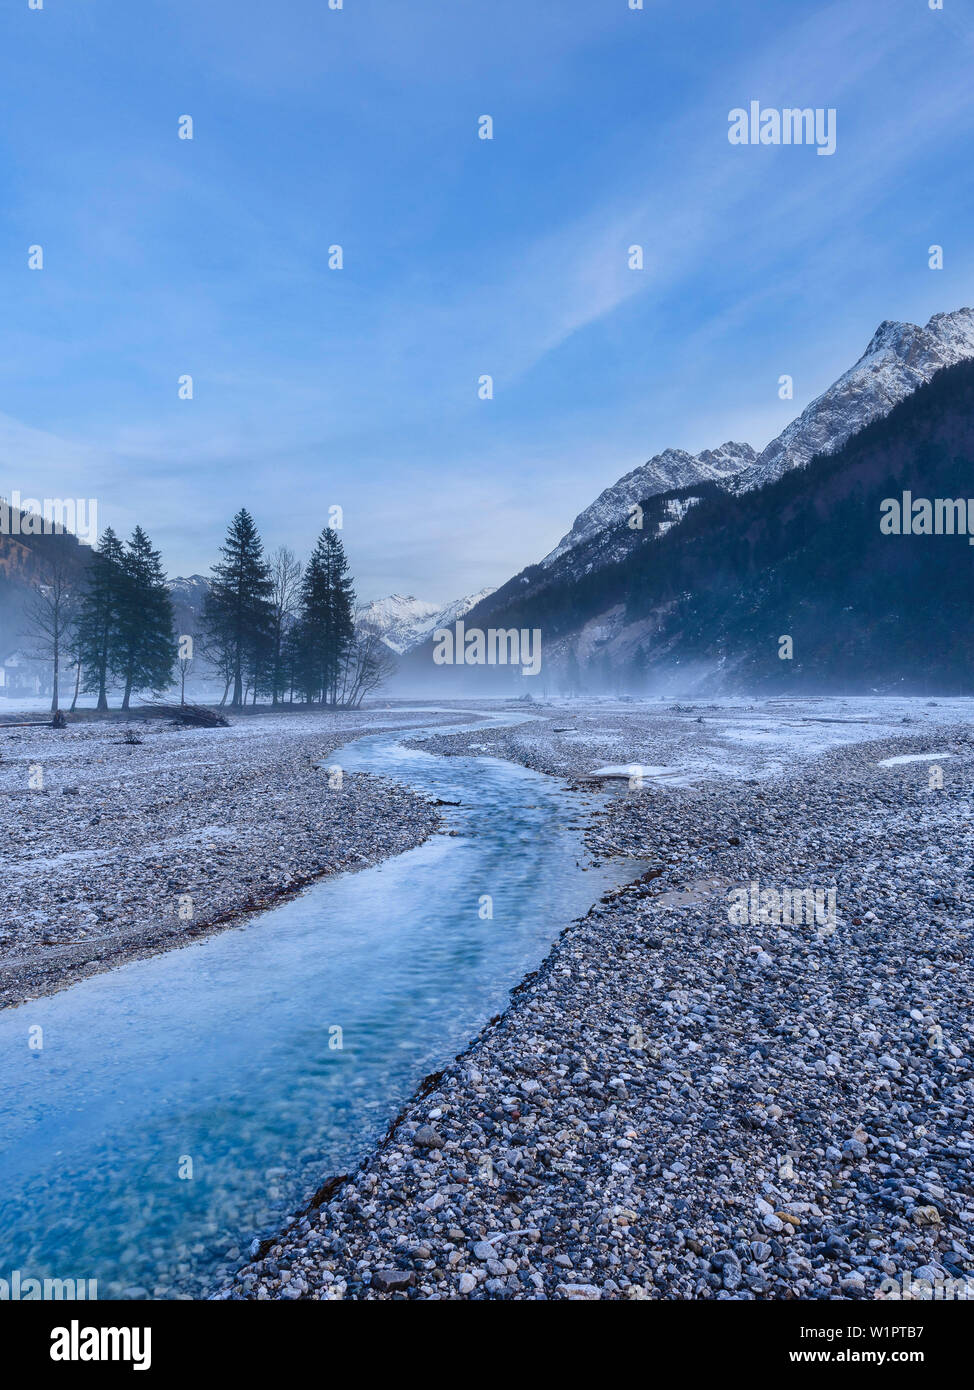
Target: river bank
682	1105
115	850
161	1116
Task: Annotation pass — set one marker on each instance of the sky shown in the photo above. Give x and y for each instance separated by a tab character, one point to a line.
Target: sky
463	257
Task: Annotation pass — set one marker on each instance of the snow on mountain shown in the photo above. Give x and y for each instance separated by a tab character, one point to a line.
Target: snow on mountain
673	468
404	621
460	607
191	591
900	357
400	619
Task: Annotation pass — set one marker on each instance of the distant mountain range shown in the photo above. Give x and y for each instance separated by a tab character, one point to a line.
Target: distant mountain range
190	592
671	471
898	359
188	600
691	567
404	622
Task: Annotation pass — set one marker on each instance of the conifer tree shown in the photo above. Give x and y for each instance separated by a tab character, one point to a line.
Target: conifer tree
143	649
99	614
238	617
326	625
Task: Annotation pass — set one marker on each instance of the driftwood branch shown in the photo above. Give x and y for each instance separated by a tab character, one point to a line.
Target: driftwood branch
190	716
57	722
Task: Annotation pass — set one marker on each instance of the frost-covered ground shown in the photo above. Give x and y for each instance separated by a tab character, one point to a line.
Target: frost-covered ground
685	743
113	849
685	1103
681	1103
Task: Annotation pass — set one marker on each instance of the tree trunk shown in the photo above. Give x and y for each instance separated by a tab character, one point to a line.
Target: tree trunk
128	692
77	686
57	675
103	678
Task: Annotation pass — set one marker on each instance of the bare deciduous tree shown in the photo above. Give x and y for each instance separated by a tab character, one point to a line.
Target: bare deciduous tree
369	663
50	614
219	659
285	598
185	662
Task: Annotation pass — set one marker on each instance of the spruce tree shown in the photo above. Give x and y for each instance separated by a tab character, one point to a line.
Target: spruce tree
238	618
326	624
144	645
99	614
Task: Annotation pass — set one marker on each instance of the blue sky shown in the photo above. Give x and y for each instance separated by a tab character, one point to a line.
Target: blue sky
358	387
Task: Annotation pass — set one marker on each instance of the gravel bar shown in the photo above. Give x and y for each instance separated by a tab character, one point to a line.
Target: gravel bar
115	850
677	1105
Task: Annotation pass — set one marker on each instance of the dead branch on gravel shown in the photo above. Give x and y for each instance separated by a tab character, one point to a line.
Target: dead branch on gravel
185	716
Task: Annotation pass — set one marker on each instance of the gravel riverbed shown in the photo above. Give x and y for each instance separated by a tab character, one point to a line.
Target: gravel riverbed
114	849
683	1104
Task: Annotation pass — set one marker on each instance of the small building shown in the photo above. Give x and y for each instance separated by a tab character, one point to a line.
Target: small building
21	675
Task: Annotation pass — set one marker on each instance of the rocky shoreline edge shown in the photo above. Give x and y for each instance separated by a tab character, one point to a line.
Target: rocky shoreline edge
116	850
678	1106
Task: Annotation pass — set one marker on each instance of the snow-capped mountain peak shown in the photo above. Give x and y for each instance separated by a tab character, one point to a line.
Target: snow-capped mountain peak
190	591
400	619
673	468
404	622
458	609
898	358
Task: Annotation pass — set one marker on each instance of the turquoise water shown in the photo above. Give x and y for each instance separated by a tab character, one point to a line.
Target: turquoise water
183	1105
